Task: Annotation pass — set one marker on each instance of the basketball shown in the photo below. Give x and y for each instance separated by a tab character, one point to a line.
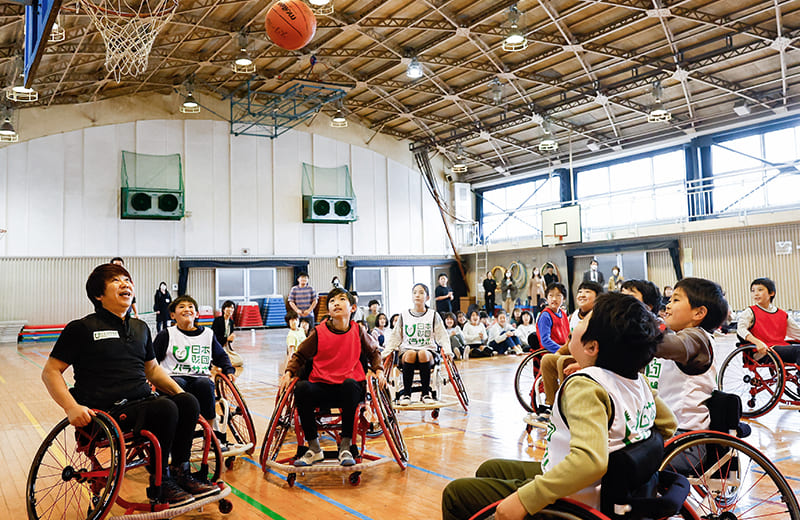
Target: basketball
290	24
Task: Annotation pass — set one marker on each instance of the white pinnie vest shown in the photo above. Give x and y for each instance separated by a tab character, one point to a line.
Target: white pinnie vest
188	355
684	393
418	330
633	416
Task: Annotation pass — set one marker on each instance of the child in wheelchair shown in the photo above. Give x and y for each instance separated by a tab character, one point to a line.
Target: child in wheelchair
416	335
604	407
766	326
187	351
114	364
335	350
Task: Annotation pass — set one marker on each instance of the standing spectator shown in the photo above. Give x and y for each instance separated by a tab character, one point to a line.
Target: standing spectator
615	281
593	274
443	296
303	298
161	306
536	291
509	292
374	309
666	295
120	262
489	288
335	283
550	276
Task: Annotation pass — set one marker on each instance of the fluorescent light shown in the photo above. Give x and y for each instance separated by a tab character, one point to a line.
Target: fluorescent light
319	3
593	146
414	69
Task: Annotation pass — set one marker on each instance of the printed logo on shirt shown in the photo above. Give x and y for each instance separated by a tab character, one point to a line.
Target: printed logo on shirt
418	334
653	371
191	359
105	334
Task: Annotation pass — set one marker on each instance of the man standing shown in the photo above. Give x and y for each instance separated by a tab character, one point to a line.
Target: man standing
489	288
444	296
303	298
593	274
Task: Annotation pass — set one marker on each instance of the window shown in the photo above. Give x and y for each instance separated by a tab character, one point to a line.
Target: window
368	283
245	285
514	211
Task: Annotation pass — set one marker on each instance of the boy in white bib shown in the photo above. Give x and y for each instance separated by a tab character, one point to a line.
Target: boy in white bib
605	406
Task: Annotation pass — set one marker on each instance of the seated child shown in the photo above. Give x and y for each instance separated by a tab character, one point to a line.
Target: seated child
187	351
296	335
501	336
416	335
553	324
381	329
337	376
646	292
475	336
461	319
457	343
374	309
683	370
526	331
516	317
556	366
604	407
766	326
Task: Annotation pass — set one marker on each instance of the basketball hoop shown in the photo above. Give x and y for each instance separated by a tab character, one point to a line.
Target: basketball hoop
129	28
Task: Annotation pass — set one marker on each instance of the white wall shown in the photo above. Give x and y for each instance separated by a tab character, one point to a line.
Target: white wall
59	196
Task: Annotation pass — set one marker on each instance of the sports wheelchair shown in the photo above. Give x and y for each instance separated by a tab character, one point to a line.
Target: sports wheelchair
276	452
762	382
233	415
528	386
439	380
79	473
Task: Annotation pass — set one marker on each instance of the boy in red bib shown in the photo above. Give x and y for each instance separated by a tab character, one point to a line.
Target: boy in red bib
553	324
337	376
766	326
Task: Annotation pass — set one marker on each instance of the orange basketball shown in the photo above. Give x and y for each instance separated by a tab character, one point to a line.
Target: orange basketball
290	24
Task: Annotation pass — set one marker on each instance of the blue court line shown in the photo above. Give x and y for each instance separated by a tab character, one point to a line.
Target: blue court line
445	477
313	492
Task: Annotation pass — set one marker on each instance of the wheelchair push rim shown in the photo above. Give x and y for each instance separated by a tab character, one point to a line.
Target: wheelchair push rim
240	421
280	424
458	384
382	408
524	379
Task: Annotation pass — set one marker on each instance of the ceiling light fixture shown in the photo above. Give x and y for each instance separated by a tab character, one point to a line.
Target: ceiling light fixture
657	113
515	39
459	165
7	132
190	105
57	33
592	146
16	90
741	108
497	91
243	64
338	120
321	7
548	142
414	70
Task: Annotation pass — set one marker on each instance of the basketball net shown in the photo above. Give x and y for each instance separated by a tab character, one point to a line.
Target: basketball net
129	28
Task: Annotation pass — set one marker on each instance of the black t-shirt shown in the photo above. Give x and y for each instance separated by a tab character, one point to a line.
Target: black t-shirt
107	355
490	286
445	304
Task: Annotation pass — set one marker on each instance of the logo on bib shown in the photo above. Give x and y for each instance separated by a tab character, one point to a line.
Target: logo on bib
105	334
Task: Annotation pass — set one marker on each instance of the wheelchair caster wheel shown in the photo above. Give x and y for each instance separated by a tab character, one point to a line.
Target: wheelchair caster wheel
229	462
225	506
435	413
290	479
355	478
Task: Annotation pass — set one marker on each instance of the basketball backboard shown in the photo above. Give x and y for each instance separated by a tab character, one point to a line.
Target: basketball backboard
39	18
561	226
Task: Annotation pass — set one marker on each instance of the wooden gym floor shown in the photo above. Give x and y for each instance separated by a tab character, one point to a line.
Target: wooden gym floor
440	450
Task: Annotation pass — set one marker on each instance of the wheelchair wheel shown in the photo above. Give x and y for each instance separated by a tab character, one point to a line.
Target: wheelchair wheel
455	379
206	456
382	407
563	509
280	424
239	419
758	382
524	378
729	478
792	386
538	392
77	472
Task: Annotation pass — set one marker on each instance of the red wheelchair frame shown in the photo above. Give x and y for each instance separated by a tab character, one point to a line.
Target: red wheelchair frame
285	419
78	472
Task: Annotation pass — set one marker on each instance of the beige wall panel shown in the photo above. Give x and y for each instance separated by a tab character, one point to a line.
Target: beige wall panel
659	268
201	286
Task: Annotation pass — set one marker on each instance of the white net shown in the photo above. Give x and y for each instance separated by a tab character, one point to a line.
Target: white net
129	28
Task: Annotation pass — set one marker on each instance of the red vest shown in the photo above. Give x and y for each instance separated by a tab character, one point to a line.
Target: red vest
559	332
338	356
769	327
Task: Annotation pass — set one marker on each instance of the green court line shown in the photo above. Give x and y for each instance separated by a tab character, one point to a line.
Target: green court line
29	360
255	503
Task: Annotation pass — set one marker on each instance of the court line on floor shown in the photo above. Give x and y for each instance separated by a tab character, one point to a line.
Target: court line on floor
2	380
313	492
29	360
254	503
32	419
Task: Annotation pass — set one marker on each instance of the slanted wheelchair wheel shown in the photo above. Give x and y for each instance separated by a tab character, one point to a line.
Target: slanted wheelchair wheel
729	478
279	425
77	472
458	384
206	457
758	382
382	407
240	421
526	374
538	392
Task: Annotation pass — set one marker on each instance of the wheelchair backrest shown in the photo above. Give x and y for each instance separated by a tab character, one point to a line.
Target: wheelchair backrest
725	411
632	473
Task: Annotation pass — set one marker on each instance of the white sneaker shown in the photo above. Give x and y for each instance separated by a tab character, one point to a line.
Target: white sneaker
517	349
404	401
309	458
428	399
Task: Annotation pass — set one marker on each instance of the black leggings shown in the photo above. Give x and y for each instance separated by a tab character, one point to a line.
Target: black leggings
424	369
202	387
171	418
788	353
308	396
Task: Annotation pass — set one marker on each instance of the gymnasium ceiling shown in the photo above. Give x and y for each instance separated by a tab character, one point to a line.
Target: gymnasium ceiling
588	68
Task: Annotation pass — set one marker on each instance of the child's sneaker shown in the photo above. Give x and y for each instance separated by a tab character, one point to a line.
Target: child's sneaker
309	458
404	401
173	494
456	353
541	421
346	458
198	489
428	399
517	350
